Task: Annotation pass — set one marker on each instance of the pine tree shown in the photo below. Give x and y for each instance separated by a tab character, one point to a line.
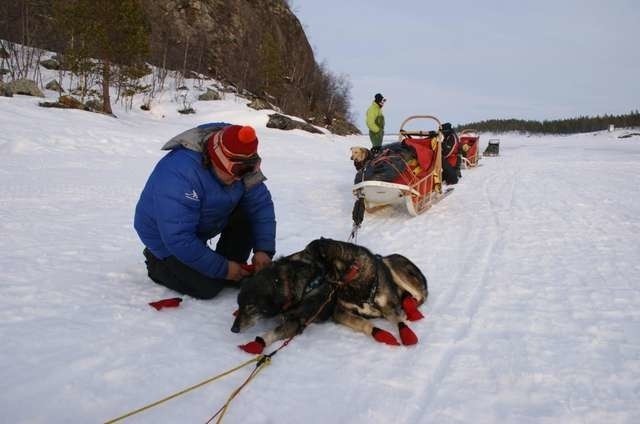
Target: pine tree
111	31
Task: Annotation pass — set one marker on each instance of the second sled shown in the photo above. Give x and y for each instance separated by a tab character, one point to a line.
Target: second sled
412	169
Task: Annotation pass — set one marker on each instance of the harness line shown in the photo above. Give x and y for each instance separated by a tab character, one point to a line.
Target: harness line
262	362
181	392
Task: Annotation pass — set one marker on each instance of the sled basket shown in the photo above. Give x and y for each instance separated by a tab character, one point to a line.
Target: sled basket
470	147
409	171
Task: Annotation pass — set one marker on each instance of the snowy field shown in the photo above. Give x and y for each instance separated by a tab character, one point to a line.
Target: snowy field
533	266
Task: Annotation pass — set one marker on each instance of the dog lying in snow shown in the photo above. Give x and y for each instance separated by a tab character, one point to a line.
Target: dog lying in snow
333	279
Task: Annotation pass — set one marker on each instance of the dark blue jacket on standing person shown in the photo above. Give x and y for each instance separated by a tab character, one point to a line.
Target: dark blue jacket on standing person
185	203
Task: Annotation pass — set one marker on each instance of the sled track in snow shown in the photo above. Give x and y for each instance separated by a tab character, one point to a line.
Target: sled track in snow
467	289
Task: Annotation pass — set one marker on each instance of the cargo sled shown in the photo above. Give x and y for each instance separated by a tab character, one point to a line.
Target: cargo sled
493	148
407	172
470	147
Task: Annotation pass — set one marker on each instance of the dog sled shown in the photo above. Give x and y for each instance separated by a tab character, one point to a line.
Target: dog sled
407	172
493	148
470	142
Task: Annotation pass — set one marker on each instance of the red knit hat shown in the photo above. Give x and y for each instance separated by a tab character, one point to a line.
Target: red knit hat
238	142
233	144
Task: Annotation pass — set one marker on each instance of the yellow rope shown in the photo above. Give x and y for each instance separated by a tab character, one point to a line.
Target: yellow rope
263	362
188	389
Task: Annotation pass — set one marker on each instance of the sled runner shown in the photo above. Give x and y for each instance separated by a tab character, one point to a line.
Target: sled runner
470	141
408	172
493	148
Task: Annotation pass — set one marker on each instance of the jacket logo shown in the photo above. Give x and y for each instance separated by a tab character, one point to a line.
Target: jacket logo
192	196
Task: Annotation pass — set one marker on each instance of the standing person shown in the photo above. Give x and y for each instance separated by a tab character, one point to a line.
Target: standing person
451	161
375	122
208	184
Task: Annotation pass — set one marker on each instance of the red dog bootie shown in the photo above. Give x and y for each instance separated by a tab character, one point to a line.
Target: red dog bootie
407	335
410	307
174	302
384	336
250	268
255	347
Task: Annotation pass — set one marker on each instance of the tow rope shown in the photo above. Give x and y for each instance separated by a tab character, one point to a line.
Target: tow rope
262	362
195	386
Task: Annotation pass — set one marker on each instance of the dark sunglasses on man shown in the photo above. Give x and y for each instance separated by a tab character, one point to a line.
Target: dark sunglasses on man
240	167
243	167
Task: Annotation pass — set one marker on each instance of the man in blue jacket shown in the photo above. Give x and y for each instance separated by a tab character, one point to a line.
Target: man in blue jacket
208	184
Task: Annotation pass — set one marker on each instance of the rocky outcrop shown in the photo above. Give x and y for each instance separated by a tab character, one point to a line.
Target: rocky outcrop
50	64
341	126
209	95
55	86
5	91
282	122
65	102
26	87
258	47
260	104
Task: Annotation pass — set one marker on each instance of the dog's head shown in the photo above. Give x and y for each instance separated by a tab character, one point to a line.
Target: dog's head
359	156
359	153
272	290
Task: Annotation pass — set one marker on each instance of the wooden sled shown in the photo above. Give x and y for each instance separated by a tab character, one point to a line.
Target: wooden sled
419	185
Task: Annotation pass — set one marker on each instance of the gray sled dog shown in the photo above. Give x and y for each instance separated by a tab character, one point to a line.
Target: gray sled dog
333	279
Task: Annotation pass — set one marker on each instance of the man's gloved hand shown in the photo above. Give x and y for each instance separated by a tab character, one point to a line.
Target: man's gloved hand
260	260
236	271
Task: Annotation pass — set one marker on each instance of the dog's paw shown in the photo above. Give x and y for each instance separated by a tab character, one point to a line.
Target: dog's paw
410	307
407	335
255	347
384	336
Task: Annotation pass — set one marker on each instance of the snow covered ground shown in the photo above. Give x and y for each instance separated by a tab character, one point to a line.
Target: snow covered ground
533	266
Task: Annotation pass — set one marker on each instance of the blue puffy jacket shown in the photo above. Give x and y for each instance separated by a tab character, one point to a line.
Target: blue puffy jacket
184	204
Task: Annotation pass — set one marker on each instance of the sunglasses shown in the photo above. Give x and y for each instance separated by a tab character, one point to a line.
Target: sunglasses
239	168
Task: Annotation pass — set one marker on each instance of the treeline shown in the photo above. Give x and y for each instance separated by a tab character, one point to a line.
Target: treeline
257	49
581	124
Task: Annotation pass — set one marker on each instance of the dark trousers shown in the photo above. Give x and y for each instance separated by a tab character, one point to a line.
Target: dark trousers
234	244
451	174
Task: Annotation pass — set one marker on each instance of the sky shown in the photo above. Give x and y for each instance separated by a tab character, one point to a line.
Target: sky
533	314
467	60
